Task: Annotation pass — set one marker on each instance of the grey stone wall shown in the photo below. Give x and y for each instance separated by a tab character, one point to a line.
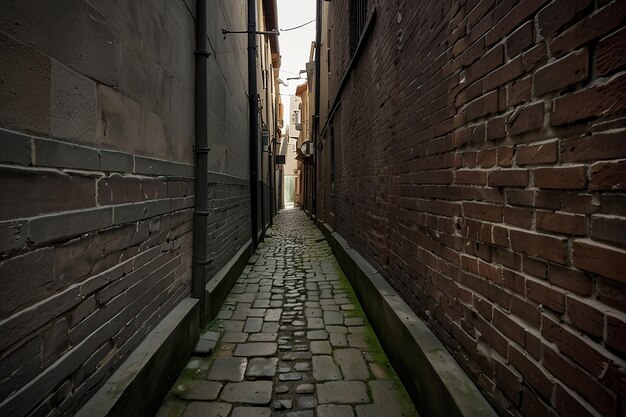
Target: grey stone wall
111	74
227	115
96	183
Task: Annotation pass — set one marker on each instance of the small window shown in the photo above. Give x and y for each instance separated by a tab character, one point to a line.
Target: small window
358	15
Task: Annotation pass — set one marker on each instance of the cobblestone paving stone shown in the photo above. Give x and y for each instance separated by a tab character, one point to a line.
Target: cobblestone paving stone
290	340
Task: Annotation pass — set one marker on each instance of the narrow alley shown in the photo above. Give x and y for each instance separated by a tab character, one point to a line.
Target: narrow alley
312	208
290	339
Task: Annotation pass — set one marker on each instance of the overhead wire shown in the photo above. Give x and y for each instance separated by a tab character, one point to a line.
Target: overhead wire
298	27
288	72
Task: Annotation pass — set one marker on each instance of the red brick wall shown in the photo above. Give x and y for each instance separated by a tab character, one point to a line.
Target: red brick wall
482	169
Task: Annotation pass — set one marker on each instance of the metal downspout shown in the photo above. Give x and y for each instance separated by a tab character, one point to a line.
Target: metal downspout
254	121
316	117
272	160
198	277
269	164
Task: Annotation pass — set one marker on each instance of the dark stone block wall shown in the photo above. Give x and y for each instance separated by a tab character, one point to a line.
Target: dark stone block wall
480	167
229	222
91	259
97	183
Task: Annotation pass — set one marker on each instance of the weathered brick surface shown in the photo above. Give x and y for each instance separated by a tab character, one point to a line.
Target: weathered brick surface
229	222
43	192
482	172
562	73
32	279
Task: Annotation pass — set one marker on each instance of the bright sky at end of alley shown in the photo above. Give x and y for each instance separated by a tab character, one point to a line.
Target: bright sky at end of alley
295	45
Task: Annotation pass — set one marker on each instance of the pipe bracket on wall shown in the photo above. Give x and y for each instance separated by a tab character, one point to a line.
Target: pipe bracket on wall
202	52
204	261
198	149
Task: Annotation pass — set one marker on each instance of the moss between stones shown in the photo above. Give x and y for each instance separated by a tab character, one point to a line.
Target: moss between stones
212	326
190	374
375	348
187	374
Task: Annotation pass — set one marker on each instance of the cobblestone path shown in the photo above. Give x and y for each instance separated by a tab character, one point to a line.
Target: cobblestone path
290	340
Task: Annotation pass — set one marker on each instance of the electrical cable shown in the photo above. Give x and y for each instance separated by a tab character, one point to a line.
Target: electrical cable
289	72
298	27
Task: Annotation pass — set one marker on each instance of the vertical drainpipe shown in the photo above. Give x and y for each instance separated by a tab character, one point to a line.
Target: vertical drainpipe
270	174
271	197
201	150
262	183
272	155
254	119
262	176
316	117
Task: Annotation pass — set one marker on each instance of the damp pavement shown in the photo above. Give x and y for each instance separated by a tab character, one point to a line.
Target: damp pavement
290	340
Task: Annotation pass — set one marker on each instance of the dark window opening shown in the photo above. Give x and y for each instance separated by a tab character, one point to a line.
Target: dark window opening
358	15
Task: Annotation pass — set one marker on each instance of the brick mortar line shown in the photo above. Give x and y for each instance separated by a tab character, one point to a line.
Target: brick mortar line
13	137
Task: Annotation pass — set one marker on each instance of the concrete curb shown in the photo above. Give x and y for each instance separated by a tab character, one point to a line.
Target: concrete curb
218	288
139	384
436	383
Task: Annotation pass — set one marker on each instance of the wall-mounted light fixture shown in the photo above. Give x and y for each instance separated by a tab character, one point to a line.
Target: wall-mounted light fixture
307	148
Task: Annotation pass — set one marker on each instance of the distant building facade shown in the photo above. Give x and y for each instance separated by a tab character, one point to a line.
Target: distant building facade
291	172
304	147
297	123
